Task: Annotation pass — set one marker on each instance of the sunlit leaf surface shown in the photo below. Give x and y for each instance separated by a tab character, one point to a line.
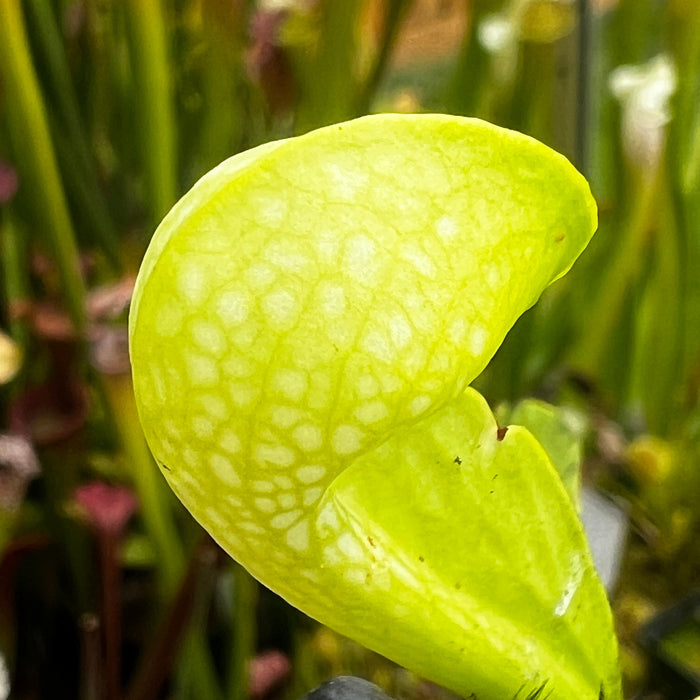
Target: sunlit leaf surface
303	330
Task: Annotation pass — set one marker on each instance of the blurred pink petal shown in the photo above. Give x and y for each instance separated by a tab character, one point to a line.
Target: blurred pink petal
110	301
107	508
9	182
267	672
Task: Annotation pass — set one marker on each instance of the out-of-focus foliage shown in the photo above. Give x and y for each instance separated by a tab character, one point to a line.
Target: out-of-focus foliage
111	109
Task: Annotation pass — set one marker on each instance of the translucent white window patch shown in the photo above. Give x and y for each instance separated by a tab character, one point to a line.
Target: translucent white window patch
281	309
169	319
360	261
308	437
298	536
371	412
208	336
310	473
278	455
285	520
287	500
201	370
233	306
290	383
224	469
447	227
191	281
347	439
331	299
214	406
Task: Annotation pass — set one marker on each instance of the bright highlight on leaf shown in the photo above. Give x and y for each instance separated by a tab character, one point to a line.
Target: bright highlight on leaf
304	327
561	433
10	358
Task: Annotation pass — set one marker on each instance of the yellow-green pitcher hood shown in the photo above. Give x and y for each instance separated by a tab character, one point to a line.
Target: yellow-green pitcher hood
304	328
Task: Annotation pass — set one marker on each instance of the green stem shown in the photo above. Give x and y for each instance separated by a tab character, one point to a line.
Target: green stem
657	368
111	612
91	209
70	135
155	120
13	258
36	155
197	663
222	125
90	658
684	166
52	49
245	596
467	82
157	661
619	275
329	77
394	14
148	482
197	677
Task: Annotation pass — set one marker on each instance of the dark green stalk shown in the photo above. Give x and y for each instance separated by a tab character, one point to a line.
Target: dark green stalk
91	675
158	660
13	258
111	612
634	33
468	85
107	93
328	80
245	596
534	99
617	278
583	80
71	139
197	677
604	158
684	167
59	480
222	126
196	661
36	155
684	147
154	124
149	484
51	48
87	200
567	107
395	12
657	343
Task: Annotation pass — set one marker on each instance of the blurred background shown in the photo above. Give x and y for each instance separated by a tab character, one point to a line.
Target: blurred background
111	109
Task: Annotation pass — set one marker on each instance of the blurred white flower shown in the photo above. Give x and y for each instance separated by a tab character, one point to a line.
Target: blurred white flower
497	33
277	5
18	466
536	21
644	92
4	679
